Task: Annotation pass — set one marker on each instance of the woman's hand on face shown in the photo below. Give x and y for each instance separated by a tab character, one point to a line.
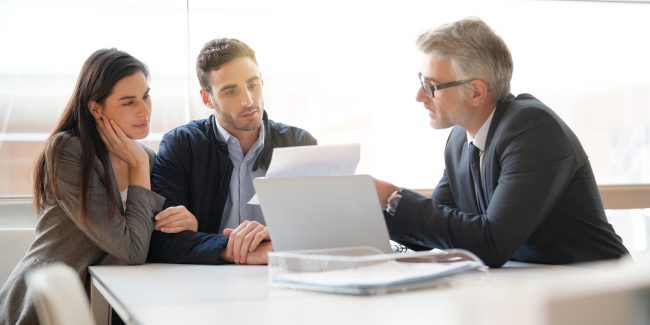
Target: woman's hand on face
124	148
120	145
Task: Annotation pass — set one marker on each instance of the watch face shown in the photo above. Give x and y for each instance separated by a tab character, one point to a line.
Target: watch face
393	201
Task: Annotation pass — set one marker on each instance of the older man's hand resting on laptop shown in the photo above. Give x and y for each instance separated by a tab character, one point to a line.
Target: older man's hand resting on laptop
247	244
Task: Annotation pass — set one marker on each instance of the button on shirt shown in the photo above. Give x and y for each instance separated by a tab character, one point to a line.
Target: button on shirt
237	208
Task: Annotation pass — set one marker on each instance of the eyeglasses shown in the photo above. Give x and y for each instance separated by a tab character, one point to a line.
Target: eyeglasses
430	89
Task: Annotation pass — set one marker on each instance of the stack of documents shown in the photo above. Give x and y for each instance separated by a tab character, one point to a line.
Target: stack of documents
351	271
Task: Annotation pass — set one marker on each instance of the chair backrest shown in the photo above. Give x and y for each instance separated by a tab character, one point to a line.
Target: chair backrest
58	295
14	242
17	222
17	213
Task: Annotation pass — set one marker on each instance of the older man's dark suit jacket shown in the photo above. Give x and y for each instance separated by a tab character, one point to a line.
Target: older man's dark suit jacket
543	201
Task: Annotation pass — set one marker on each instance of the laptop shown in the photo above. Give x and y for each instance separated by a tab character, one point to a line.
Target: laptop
322	212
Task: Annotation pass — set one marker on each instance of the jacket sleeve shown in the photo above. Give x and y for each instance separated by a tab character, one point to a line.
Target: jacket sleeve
442	193
124	236
420	207
170	177
308	139
537	163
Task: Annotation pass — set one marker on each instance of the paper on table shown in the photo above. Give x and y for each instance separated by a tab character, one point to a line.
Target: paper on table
380	275
322	160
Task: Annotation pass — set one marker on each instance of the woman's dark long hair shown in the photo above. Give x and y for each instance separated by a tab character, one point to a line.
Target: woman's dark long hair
101	71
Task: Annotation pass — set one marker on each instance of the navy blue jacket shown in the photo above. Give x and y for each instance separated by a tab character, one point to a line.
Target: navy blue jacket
193	169
543	201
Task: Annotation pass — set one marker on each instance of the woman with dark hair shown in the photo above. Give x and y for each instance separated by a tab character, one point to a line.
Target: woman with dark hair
91	180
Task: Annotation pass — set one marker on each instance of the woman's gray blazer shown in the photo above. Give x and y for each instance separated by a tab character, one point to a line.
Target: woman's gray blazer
62	237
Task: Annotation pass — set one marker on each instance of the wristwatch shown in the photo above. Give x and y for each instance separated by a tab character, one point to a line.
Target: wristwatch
393	201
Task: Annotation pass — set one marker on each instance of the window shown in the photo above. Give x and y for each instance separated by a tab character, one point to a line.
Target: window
346	71
44	46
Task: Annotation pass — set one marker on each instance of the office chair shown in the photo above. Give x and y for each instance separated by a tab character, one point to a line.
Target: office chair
58	296
14	242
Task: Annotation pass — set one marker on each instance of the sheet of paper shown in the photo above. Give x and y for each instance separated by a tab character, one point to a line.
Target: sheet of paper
325	160
322	160
383	274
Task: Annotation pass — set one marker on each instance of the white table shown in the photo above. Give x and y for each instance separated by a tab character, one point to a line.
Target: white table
231	294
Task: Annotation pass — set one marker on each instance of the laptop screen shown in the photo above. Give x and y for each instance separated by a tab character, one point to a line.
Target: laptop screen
320	212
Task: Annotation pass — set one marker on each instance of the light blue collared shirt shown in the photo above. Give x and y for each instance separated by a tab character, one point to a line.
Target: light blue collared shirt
237	208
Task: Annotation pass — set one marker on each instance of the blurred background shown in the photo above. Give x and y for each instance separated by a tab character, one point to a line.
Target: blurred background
345	71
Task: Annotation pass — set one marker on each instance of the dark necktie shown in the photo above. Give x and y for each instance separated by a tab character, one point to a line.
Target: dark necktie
475	169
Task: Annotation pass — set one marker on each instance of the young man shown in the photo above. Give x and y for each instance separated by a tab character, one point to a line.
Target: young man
517	183
205	169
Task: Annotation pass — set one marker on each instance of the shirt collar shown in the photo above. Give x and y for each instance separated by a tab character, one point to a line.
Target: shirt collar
226	136
259	144
222	133
481	136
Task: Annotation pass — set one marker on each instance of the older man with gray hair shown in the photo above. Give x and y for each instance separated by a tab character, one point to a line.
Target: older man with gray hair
517	183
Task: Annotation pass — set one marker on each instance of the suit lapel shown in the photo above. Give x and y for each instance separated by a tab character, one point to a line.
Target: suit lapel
487	169
496	118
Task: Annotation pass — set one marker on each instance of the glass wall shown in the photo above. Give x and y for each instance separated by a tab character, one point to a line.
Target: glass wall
344	70
44	44
347	71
